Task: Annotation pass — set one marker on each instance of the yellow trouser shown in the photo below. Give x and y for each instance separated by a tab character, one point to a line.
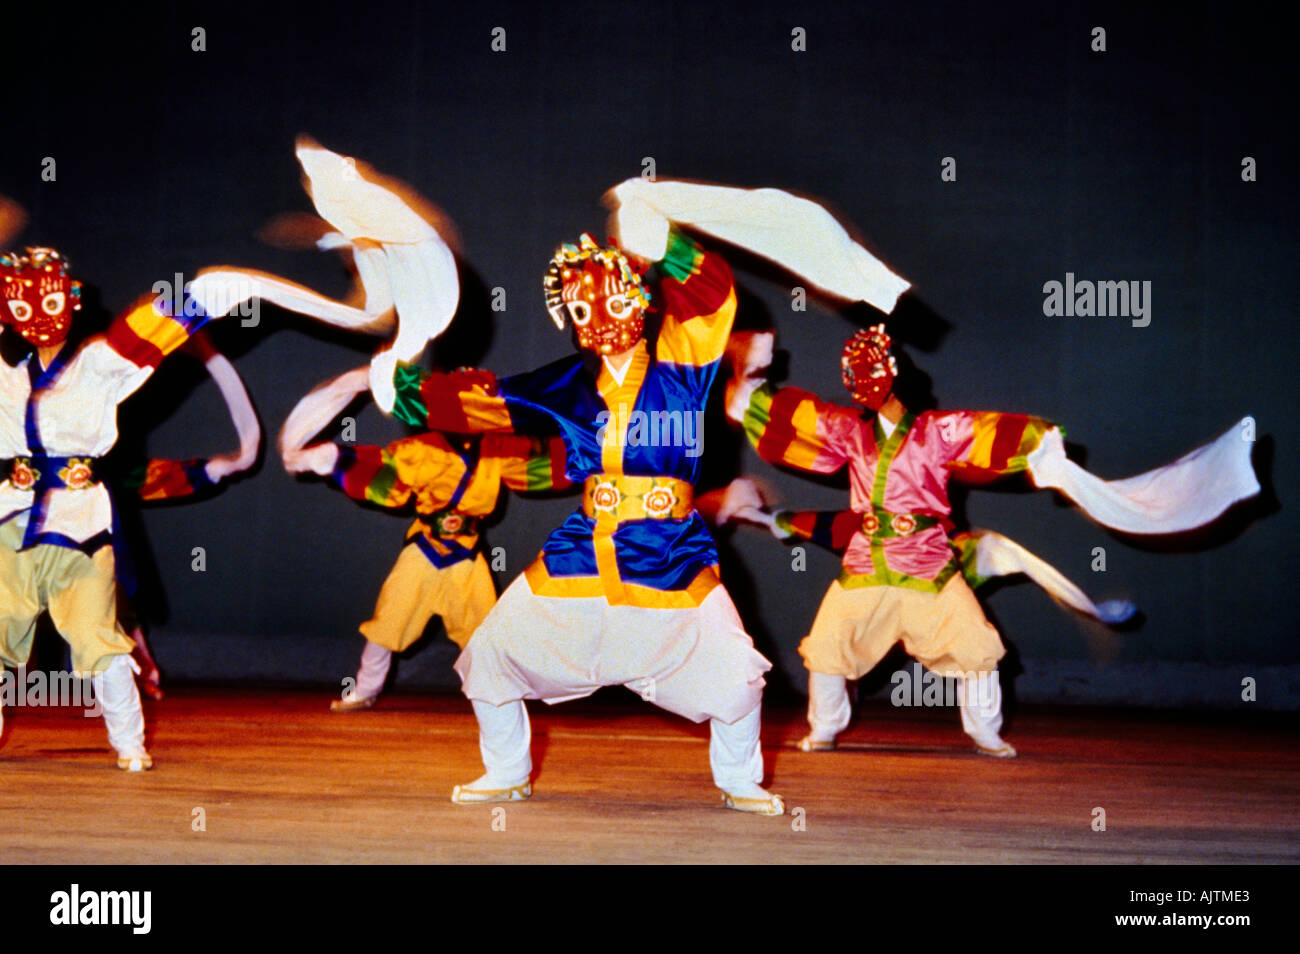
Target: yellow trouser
416	590
856	626
78	590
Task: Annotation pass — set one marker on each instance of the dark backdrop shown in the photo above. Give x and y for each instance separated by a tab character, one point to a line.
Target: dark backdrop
1116	165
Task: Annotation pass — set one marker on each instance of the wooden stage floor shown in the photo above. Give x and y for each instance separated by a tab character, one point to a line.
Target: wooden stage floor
275	777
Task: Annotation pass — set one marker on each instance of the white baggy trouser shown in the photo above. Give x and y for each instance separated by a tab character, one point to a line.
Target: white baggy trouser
697	662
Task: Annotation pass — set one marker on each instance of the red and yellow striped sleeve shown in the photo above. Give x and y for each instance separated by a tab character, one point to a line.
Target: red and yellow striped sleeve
460	402
698	306
986	444
162	479
795	428
423	466
145	333
370	474
527	463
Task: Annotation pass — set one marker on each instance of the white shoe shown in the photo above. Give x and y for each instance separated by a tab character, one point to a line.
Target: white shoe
809	744
351	702
766	804
136	762
992	745
490	790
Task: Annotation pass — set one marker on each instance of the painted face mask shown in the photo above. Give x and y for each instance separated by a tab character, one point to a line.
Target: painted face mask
39	297
868	367
600	292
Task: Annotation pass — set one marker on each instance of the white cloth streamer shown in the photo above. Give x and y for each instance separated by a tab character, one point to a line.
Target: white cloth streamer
996	555
241	413
795	233
317	409
401	260
419	267
1186	494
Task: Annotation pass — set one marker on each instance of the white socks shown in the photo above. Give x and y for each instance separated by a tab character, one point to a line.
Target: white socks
504	736
373	671
829	710
981	709
736	756
115	689
980	701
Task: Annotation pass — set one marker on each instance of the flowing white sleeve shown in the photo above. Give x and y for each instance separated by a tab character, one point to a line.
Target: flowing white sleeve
242	415
795	233
313	412
996	555
1186	494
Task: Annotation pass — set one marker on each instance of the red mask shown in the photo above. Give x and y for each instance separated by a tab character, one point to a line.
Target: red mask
869	369
599	291
39	297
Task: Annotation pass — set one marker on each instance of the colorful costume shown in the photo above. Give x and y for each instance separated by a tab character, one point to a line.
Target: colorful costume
902	578
58	417
636	443
454	484
626	591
